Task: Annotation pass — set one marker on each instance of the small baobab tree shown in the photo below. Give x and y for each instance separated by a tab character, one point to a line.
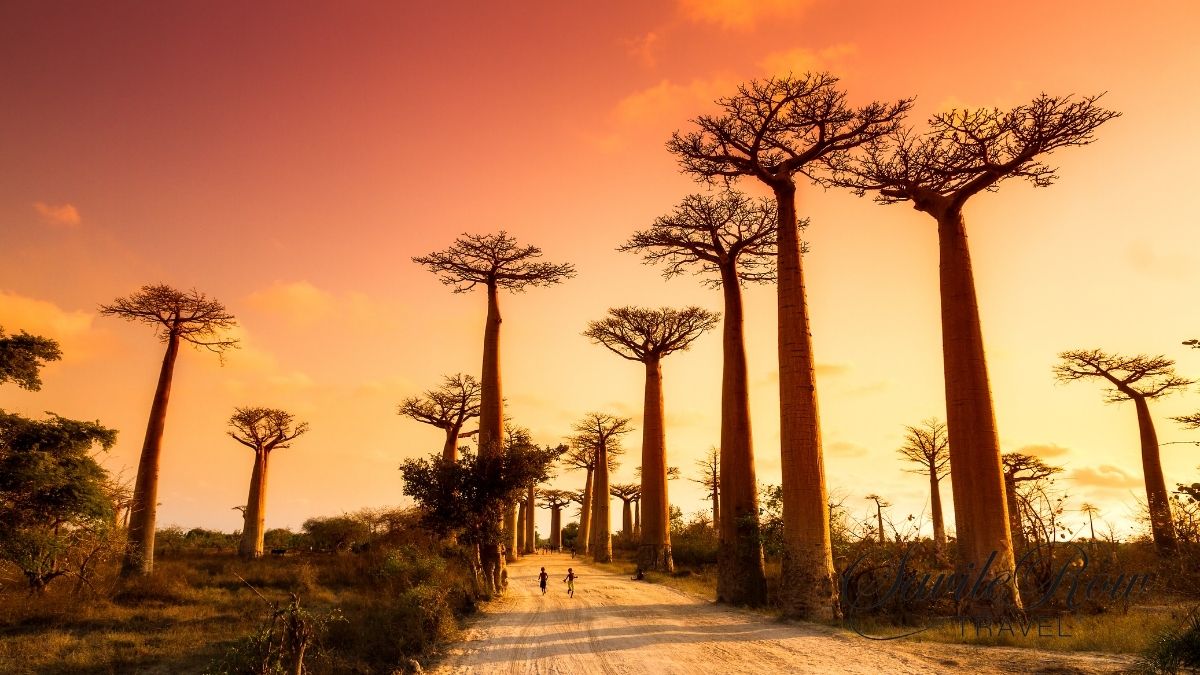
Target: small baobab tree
927	445
647	336
448	408
1021	468
772	130
177	317
710	478
731	238
555	500
964	153
880	504
22	357
628	494
496	262
263	430
599	434
1140	379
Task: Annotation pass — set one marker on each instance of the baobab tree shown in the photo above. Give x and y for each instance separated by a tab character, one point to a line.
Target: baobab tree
22	357
555	500
928	446
522	515
731	238
177	317
964	153
627	493
710	478
528	522
1139	379
1021	468
494	261
263	430
880	503
772	130
448	408
647	336
598	436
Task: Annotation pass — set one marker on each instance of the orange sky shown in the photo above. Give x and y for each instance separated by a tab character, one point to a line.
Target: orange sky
290	158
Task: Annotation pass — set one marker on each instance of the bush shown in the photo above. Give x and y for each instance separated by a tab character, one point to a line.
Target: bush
1174	649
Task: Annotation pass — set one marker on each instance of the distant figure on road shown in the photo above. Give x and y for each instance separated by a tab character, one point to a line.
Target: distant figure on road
570	579
542	579
572	551
639	576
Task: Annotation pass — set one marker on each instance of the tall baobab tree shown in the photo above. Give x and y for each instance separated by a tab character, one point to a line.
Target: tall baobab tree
647	336
22	357
1139	379
964	153
880	503
772	130
494	261
555	500
710	478
928	446
731	238
177	317
448	408
522	516
599	434
263	430
528	521
582	457
1021	468
627	493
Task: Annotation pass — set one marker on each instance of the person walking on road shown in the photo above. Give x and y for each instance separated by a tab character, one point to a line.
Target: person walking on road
570	579
542	579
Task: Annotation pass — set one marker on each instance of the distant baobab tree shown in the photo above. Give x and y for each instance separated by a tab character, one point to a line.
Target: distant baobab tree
627	493
555	500
710	478
177	317
22	357
1139	379
880	503
731	238
600	434
528	521
448	408
1021	468
522	516
964	153
647	336
927	445
494	261
263	430
584	457
772	130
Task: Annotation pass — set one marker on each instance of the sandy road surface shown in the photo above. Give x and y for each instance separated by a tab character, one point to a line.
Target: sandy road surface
615	625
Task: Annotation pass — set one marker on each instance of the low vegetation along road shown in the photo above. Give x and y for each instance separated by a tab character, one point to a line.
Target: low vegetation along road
616	625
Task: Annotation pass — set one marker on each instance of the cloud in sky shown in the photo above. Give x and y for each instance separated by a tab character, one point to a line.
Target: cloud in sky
740	14
1043	450
1104	476
58	215
72	328
801	60
298	301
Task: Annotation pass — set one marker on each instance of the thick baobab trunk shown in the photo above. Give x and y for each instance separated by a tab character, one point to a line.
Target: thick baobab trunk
251	545
139	554
512	530
528	522
601	547
450	449
935	506
741	579
654	549
491	424
626	518
583	535
556	528
980	509
1162	526
1014	511
716	500
522	515
807	585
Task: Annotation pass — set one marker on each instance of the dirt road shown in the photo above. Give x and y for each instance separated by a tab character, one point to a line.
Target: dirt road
615	625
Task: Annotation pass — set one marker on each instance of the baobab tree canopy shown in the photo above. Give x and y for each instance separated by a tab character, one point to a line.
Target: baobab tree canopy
1130	376
264	429
711	234
493	260
22	357
640	334
927	445
969	151
189	315
776	127
448	407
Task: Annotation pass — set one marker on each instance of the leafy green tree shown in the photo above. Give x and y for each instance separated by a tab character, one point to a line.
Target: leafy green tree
54	496
22	357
